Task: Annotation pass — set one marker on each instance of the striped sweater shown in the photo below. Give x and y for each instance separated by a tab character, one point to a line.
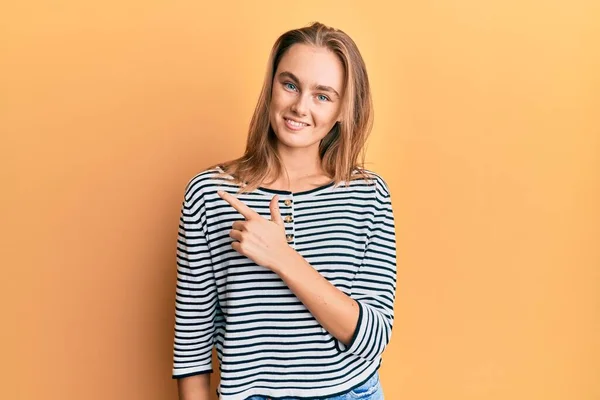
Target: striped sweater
267	341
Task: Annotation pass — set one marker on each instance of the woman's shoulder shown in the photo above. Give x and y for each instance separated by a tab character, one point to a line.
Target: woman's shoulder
206	180
372	178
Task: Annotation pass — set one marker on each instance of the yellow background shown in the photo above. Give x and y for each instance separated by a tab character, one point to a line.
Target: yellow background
486	130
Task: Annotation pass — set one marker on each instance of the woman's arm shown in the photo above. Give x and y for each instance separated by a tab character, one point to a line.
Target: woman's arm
196	387
362	320
196	301
336	311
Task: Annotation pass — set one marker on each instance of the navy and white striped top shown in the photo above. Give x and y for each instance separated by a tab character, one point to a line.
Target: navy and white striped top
267	341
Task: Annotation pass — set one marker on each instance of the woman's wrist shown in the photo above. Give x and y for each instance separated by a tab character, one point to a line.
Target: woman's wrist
283	260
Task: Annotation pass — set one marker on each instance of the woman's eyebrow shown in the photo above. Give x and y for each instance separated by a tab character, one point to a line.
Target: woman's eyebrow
289	75
322	88
327	89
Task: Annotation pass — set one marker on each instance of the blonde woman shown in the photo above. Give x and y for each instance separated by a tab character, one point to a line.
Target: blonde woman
286	256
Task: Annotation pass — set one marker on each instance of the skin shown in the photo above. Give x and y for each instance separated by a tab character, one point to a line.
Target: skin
307	87
196	387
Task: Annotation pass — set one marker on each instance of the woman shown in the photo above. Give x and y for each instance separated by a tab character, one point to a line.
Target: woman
286	256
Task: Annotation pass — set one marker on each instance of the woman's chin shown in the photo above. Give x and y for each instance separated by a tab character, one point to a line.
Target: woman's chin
292	142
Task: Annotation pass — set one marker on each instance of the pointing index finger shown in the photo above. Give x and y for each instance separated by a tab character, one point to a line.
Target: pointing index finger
243	209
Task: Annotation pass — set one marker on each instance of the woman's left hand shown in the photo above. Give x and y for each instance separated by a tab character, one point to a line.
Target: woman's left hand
261	240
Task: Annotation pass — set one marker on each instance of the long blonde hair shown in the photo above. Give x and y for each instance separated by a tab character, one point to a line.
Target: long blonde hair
341	148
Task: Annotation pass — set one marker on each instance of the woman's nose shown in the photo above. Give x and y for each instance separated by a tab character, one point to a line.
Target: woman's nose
300	106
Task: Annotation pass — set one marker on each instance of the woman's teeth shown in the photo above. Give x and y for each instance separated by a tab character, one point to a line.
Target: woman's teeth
296	124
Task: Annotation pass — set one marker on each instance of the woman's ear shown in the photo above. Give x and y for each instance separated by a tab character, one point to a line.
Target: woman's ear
340	116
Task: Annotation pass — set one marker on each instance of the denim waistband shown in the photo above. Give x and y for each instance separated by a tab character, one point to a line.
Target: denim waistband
369	390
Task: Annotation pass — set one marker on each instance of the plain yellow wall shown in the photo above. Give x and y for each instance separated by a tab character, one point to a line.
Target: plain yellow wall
486	130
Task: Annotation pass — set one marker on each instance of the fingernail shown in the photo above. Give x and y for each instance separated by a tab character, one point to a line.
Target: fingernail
220	192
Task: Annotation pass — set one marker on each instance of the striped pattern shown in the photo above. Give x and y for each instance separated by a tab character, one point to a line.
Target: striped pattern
267	342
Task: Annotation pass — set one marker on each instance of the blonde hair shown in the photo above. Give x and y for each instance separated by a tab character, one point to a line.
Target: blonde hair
341	148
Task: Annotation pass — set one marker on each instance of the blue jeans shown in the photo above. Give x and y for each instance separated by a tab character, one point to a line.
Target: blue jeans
370	390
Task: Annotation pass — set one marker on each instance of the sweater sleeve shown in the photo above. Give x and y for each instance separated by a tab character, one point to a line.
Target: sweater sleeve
374	285
196	296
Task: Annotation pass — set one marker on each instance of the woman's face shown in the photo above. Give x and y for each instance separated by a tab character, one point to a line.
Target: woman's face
307	95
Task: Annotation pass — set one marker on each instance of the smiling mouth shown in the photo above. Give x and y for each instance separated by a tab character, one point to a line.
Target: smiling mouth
295	124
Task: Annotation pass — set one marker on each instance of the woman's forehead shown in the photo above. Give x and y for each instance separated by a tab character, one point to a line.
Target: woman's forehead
314	66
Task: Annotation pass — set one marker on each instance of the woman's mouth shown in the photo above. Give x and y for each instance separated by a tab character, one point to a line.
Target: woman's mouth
294	125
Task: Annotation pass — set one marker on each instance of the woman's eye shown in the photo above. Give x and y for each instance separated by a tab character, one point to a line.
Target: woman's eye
290	86
322	97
